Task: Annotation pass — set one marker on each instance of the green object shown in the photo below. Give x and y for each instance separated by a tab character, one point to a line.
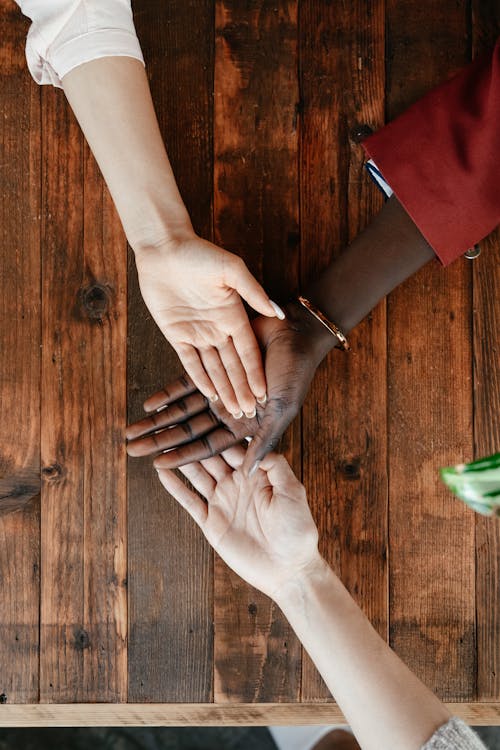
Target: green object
477	484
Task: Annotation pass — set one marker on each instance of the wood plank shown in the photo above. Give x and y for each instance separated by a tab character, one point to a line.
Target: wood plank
257	656
170	564
486	285
20	364
344	416
83	574
204	714
432	612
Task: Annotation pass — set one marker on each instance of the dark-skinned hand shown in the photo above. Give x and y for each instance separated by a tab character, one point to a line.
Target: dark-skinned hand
189	428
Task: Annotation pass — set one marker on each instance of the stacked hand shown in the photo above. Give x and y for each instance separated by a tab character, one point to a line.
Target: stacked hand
194	291
191	427
261	526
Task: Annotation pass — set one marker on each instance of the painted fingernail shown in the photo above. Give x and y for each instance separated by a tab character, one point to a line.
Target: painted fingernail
254	468
251	414
214	398
162	408
277	309
262	401
238	414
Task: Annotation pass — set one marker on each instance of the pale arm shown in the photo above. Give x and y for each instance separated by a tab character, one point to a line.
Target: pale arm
263	529
191	287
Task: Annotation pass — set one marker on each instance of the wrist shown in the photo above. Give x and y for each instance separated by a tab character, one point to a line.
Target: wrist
319	339
166	238
301	584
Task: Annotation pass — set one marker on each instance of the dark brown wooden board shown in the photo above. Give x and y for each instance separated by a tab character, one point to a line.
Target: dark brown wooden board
344	416
170	565
20	365
257	656
431	554
83	612
486	284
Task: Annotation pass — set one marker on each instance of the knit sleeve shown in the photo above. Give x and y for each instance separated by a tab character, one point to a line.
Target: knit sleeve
441	157
454	735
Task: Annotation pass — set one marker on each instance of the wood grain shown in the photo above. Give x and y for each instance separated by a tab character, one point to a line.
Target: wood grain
83	574
486	285
20	365
205	714
170	564
432	613
344	416
257	657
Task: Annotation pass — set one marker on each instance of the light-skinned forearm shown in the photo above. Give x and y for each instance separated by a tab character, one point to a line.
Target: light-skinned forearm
383	701
111	99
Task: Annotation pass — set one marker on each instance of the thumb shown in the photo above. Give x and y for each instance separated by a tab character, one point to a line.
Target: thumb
267	437
239	278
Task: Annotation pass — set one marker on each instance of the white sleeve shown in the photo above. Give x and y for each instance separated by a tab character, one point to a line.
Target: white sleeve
68	33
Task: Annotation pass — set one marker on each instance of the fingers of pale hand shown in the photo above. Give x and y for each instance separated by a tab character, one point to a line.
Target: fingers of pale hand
234	456
213	365
184	496
278	470
237	377
179	388
239	277
171	437
247	349
200	478
209	445
178	411
194	367
217	468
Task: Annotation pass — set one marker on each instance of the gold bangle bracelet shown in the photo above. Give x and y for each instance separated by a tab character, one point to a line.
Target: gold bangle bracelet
334	329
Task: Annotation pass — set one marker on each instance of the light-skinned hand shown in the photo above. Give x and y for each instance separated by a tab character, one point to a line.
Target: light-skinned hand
261	526
194	291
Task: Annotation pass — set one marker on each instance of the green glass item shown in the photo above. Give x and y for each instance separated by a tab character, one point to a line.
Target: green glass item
477	484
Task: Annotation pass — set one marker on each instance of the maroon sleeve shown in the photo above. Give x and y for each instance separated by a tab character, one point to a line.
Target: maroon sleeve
442	158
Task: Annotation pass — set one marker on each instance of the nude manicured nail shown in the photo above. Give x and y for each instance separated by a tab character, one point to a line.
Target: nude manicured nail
251	414
254	468
277	309
238	415
214	398
262	401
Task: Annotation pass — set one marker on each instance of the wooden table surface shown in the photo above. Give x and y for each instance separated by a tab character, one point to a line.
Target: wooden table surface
108	592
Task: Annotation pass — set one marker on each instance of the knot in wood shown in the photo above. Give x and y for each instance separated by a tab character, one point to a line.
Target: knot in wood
82	640
95	301
52	472
360	132
351	469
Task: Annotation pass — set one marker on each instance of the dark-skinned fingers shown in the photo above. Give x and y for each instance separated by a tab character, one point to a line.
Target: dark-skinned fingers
274	423
178	411
209	445
215	368
179	388
172	437
195	368
238	378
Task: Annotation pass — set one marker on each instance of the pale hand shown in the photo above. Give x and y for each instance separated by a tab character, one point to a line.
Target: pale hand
193	290
261	526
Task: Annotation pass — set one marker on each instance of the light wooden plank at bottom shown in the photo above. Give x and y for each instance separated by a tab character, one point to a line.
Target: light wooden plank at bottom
204	714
